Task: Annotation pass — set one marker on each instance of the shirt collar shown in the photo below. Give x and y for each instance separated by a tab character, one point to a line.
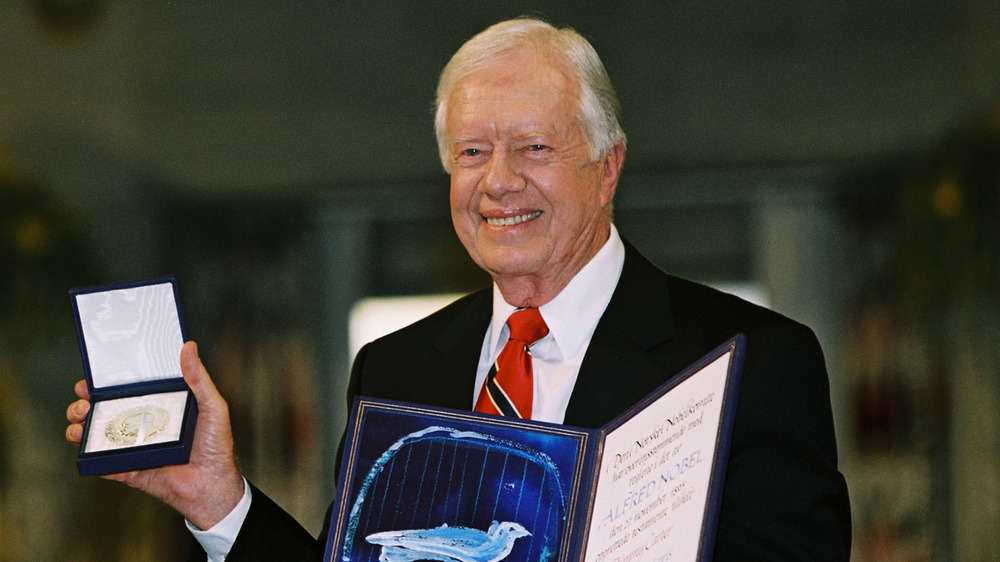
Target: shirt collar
573	314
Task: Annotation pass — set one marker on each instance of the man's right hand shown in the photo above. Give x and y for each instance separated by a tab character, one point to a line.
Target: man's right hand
209	486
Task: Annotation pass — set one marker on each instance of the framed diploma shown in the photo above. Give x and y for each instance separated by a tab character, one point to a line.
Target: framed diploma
422	483
142	412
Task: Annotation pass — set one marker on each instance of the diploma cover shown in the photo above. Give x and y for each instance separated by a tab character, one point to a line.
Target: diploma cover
422	483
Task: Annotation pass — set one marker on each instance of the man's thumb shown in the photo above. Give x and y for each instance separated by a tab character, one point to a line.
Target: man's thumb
197	377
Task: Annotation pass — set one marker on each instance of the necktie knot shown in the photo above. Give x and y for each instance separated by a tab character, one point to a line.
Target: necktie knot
527	326
508	388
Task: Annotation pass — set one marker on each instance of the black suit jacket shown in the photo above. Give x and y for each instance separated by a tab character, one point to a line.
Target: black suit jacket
783	498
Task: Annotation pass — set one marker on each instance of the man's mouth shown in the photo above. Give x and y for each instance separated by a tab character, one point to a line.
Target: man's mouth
511	221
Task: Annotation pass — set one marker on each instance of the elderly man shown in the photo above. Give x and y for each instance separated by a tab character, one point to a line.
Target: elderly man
527	126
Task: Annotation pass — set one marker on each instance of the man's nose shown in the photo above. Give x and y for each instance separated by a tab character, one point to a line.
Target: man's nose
502	175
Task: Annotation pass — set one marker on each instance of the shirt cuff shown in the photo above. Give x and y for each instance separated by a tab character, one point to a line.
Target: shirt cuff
218	540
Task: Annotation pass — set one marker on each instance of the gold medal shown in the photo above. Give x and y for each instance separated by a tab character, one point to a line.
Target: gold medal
135	425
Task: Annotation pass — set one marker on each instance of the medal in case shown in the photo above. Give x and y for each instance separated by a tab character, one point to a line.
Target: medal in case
142	412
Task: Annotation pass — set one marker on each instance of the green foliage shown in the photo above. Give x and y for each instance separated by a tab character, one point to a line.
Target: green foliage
950	225
43	253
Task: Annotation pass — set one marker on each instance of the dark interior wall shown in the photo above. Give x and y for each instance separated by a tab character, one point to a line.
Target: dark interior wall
271	94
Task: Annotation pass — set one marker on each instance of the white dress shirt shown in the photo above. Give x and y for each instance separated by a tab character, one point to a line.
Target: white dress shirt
218	540
571	317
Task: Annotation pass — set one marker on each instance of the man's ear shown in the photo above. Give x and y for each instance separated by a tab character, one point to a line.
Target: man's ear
611	168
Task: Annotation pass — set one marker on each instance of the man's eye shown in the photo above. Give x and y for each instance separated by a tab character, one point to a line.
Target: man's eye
470	152
536	147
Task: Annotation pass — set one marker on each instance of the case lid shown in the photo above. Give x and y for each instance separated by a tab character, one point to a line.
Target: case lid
129	333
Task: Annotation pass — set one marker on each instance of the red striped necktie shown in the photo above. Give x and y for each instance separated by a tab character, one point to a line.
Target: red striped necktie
508	386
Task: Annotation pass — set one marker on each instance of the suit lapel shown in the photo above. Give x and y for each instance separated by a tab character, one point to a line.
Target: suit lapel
618	369
460	344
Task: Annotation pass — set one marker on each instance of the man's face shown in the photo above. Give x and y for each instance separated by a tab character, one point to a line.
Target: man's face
526	201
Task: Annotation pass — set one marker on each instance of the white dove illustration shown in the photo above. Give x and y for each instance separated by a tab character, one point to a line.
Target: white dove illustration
449	544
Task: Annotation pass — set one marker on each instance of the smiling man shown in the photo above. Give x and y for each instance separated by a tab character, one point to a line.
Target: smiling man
528	128
530	196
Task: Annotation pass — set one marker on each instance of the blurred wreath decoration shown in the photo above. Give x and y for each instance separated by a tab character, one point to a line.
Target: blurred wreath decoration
949	210
43	253
67	17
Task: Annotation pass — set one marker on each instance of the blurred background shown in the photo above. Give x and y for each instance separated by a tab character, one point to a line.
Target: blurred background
839	161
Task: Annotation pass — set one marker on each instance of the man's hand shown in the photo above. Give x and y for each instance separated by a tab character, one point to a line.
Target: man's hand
209	486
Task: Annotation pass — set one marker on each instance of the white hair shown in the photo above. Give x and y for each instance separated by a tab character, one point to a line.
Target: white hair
598	111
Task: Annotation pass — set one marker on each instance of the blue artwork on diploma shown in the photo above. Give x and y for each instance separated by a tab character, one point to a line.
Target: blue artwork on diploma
460	492
449	543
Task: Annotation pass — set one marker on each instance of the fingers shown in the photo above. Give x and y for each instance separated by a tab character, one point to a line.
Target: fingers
76	413
81	389
74	433
197	378
125	477
191	366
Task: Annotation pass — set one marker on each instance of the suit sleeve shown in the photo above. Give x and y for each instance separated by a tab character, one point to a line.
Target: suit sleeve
268	533
784	497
